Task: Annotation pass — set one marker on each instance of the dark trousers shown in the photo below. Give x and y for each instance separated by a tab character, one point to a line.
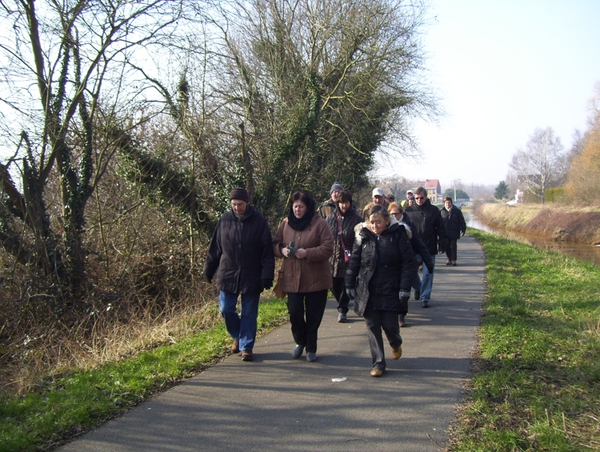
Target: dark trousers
376	320
339	292
451	250
304	329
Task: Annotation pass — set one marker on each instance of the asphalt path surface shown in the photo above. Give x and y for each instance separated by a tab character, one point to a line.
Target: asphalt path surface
277	403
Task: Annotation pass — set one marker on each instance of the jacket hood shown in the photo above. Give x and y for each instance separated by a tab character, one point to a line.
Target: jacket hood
361	229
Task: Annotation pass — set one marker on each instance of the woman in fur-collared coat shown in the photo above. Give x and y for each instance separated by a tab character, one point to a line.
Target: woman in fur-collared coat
379	277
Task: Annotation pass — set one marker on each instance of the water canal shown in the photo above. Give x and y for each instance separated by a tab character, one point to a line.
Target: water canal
577	250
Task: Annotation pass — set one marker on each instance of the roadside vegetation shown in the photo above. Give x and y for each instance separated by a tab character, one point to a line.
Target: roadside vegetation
536	383
65	405
554	221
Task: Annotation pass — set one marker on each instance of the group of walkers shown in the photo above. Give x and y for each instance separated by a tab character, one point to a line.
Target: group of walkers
372	259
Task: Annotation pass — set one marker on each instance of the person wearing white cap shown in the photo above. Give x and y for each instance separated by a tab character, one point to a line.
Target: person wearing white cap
409	195
379	199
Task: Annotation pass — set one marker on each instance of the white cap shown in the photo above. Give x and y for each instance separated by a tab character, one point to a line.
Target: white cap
378	192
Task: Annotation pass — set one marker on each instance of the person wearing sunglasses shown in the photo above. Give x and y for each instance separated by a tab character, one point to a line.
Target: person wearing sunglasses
430	226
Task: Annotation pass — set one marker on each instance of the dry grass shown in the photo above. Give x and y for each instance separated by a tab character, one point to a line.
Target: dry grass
102	336
553	221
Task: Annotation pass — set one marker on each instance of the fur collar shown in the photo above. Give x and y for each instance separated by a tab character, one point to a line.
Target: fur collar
358	229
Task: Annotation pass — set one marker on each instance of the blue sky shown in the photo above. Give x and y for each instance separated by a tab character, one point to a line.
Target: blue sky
502	68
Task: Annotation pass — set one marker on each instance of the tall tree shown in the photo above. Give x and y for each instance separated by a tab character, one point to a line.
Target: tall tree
542	164
502	190
318	84
584	172
69	74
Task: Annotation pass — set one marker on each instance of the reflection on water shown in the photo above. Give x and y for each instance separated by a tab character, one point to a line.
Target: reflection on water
578	250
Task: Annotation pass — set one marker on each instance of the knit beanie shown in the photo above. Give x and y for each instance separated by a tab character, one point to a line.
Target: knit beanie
239	193
336	186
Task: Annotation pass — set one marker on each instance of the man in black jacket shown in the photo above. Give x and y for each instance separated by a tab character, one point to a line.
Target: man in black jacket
241	256
429	225
456	227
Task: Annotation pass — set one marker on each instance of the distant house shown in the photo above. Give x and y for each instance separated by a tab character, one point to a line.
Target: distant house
434	190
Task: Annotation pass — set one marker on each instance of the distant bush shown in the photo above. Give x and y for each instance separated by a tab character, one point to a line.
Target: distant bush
558	195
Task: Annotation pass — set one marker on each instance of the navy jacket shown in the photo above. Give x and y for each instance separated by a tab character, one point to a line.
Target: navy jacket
241	253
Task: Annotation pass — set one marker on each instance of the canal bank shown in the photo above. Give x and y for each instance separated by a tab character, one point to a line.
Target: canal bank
541	226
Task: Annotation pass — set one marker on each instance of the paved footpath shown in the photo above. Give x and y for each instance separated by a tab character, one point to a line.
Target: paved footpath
276	403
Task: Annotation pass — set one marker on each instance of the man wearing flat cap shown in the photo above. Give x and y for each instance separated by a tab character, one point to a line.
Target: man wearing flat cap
241	256
330	205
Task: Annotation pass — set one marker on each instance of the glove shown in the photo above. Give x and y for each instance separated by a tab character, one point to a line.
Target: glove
462	234
208	278
351	292
266	283
429	269
292	249
404	302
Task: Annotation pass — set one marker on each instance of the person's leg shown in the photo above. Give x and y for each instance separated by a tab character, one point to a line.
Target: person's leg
295	304
339	292
315	308
451	252
454	246
373	324
427	282
227	305
417	285
248	321
389	323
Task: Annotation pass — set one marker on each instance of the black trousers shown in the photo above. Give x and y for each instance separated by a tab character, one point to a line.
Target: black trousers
452	250
339	292
376	320
306	312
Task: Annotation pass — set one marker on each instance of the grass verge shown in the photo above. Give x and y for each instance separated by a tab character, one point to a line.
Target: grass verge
65	406
536	383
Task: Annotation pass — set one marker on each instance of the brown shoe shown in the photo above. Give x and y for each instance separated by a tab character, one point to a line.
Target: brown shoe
247	356
235	348
376	373
401	320
397	352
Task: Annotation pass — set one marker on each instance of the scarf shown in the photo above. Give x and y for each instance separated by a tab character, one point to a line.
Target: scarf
299	224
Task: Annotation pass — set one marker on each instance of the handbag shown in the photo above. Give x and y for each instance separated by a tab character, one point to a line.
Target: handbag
278	289
344	250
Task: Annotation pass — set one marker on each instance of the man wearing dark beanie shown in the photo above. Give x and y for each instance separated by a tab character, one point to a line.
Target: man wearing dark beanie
241	256
330	204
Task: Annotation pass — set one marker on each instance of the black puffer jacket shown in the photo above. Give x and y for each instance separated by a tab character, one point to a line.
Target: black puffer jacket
454	222
241	253
429	225
381	267
347	223
418	246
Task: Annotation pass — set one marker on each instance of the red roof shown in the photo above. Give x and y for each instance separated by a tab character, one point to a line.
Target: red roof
430	184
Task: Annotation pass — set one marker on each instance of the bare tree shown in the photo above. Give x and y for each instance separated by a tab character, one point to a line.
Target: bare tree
318	85
69	76
584	171
542	164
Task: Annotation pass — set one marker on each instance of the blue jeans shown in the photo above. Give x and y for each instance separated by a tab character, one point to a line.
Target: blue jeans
244	328
427	283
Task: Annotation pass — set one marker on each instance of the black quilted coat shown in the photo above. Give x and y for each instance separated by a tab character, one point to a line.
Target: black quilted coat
381	267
